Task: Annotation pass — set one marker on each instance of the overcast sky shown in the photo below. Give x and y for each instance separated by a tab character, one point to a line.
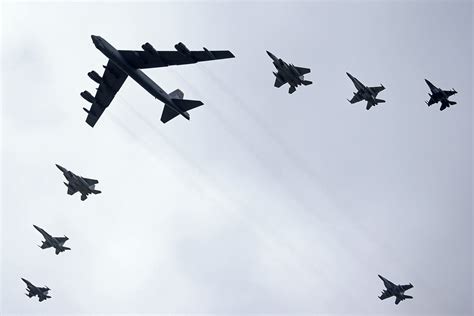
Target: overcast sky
264	202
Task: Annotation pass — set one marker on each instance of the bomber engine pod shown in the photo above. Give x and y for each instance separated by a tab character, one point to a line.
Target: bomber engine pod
95	76
181	48
87	96
149	49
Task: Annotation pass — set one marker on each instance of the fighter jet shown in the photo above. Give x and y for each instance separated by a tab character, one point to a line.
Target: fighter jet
439	95
32	290
288	73
394	290
56	242
124	63
365	93
76	183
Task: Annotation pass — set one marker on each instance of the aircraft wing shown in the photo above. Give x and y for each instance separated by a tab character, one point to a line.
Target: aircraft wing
449	92
110	84
279	83
153	59
61	240
406	287
303	71
444	104
90	181
378	89
71	190
385	295
431	101
356	98
45	246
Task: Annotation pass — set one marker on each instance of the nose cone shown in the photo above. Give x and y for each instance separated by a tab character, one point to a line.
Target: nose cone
36	227
95	40
271	55
26	281
61	168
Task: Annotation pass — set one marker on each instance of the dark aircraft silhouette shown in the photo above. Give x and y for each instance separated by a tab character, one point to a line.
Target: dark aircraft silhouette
56	242
32	290
76	183
439	95
124	63
288	73
394	290
368	94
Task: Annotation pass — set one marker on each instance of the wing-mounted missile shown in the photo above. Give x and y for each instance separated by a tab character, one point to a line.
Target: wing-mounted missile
95	76
87	96
209	53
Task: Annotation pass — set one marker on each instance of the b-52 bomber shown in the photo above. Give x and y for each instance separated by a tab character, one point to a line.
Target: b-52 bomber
395	290
439	95
32	290
288	73
50	241
76	183
124	63
368	94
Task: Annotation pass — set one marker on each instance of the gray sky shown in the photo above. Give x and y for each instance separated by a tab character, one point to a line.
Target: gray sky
264	202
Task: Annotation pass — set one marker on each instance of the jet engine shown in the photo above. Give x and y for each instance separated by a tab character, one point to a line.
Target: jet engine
95	76
149	49
87	96
181	48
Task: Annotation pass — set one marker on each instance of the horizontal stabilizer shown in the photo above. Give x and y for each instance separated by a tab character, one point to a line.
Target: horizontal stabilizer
306	82
187	105
291	90
96	191
379	101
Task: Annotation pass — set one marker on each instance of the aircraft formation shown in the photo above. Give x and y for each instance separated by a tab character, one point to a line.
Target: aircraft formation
128	63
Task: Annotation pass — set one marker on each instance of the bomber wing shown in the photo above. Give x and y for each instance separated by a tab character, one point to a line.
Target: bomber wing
151	58
109	84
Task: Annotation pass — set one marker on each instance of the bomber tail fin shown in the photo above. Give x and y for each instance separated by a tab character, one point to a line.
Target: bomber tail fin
96	191
306	82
